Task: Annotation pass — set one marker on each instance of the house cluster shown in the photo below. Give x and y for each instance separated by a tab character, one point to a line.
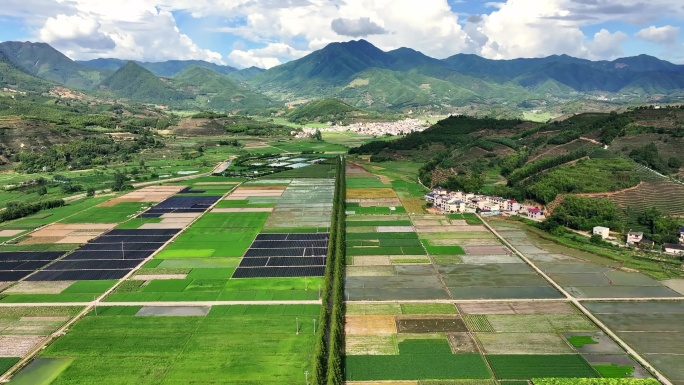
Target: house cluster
636	239
400	127
461	202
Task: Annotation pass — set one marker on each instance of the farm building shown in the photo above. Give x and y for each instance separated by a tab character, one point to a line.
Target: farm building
604	232
672	248
681	235
456	206
634	237
535	214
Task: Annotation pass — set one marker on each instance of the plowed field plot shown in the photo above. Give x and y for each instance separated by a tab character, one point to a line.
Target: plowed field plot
430	325
517	308
370	345
524	343
370	325
461	343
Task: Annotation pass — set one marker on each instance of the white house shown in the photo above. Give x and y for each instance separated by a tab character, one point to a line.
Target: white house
674	249
681	235
494	207
535	213
512	206
634	237
456	206
604	232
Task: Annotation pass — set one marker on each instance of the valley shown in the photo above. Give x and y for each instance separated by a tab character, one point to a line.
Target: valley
355	216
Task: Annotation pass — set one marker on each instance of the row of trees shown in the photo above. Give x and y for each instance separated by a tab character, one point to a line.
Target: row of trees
16	210
329	349
542	164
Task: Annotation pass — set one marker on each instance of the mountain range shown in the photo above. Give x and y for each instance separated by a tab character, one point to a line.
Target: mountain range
356	72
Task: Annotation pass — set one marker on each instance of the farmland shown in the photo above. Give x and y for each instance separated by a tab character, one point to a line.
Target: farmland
229	286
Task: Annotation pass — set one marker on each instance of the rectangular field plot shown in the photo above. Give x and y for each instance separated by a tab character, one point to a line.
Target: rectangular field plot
284	255
45	291
305	204
523	367
22	328
654	329
417	360
231	345
214	284
18	265
216	235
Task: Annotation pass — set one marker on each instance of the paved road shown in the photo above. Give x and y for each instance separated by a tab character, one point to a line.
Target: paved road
578	304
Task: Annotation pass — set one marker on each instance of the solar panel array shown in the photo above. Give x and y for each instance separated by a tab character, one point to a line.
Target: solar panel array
115	253
109	256
284	255
16	265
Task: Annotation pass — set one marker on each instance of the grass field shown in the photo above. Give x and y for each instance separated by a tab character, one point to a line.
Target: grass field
216	235
113	214
124	349
214	284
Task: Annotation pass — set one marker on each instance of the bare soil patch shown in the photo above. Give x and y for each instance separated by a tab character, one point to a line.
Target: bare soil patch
370	193
380	260
18	346
370	345
150	277
484	250
369	325
39	287
10	233
430	324
461	343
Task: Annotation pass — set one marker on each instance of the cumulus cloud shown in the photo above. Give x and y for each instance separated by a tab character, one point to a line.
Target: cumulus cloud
287	29
75	32
659	35
360	27
607	45
267	57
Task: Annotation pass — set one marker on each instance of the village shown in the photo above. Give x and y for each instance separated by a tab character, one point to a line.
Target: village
375	129
446	201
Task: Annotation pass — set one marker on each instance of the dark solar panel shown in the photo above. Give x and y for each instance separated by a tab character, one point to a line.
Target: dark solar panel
303	252
8	276
142	232
132	239
288	244
118	246
275	272
296	261
105	255
30	255
77	275
95	265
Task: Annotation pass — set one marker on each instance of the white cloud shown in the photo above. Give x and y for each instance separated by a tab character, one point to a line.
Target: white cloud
267	57
147	30
607	45
659	35
126	29
530	28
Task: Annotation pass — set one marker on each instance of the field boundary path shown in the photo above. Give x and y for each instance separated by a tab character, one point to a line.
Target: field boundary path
660	377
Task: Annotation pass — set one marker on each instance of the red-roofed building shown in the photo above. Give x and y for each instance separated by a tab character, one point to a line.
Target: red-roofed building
535	213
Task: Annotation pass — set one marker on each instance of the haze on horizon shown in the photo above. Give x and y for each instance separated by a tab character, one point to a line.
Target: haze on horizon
265	33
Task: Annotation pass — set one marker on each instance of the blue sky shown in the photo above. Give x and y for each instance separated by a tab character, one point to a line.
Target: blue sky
266	33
